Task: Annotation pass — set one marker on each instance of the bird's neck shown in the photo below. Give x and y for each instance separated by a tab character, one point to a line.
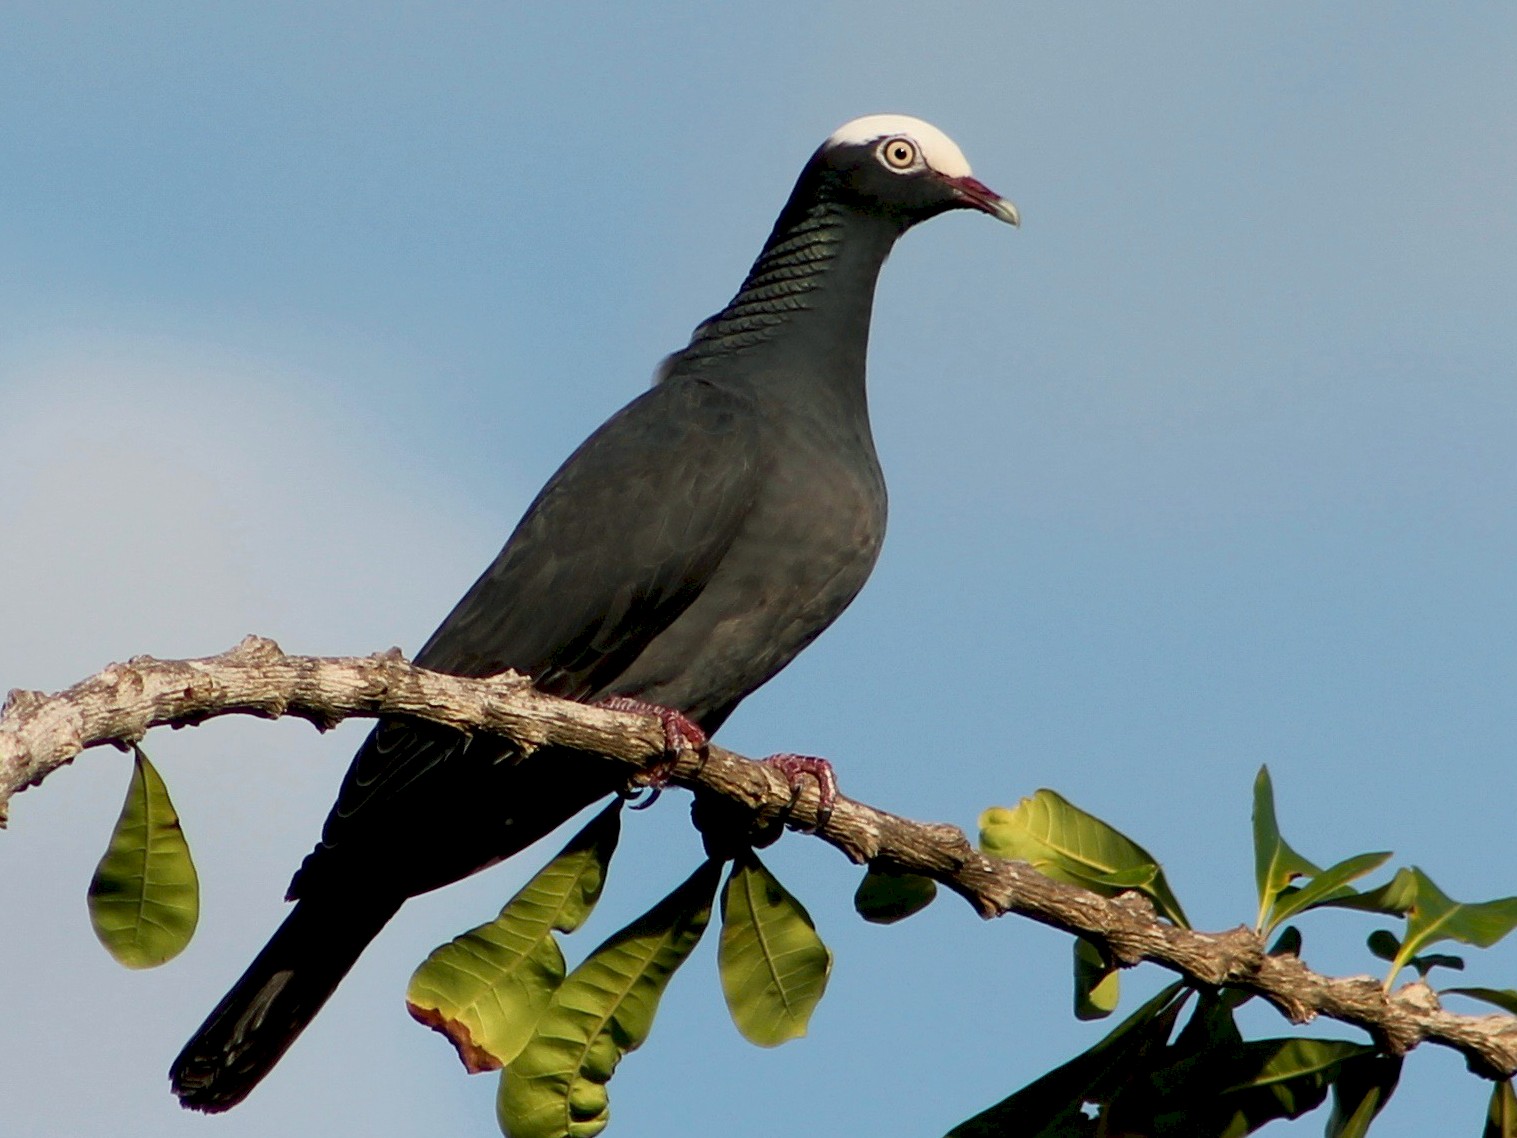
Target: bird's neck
805	305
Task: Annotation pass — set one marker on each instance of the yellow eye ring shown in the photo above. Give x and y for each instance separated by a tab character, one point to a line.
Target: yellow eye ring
898	153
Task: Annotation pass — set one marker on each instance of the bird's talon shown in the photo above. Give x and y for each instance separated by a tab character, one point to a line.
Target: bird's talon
681	733
682	736
635	792
641	802
796	767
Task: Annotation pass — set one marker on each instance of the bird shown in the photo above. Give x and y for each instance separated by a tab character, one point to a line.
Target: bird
687	551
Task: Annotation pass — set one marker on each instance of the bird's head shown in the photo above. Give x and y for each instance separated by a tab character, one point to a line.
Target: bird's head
906	167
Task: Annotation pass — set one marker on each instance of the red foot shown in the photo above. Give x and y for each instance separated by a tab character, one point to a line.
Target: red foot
681	735
796	767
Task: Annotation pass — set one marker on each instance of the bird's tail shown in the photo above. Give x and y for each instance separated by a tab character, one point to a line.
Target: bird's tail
279	994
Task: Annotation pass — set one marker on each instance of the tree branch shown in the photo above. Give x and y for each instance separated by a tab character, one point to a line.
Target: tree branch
40	733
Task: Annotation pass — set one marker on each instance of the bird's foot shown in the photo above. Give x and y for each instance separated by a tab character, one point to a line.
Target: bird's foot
681	736
797	767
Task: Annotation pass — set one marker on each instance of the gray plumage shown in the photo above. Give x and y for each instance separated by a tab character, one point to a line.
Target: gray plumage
684	554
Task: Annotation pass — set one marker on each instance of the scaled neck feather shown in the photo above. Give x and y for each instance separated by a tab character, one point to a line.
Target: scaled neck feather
809	292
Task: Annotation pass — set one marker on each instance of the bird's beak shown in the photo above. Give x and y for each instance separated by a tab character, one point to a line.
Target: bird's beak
975	194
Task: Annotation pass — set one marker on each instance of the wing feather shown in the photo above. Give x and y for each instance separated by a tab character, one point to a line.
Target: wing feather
619	542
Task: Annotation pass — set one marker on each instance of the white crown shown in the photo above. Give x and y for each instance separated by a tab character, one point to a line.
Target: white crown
938	150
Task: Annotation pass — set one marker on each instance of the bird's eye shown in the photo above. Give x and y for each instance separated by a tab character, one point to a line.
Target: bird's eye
899	153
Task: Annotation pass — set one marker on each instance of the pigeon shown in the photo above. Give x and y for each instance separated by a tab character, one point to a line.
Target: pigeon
684	554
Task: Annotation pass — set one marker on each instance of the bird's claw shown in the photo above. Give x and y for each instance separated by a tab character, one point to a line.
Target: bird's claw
682	736
640	796
796	767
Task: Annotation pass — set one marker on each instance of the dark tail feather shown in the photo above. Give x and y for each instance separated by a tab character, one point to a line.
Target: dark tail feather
279	994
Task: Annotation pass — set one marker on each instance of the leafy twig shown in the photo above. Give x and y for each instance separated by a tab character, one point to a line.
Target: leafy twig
39	733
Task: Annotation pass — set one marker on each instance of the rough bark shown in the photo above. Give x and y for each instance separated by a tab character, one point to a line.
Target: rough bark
39	733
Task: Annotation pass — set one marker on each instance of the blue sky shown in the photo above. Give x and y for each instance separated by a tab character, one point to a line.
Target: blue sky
1209	465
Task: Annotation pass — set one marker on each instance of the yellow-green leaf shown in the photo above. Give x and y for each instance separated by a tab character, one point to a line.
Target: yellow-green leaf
1331	884
1212	1083
1363	1086
1384	944
1053	1106
883	898
1276	865
1288	943
486	990
556	1086
1433	916
1393	899
1277	1061
773	965
1503	998
1501	1115
1064	842
1097	982
144	899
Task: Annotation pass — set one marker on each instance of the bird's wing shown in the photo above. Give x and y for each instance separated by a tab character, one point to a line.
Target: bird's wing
614	548
617	544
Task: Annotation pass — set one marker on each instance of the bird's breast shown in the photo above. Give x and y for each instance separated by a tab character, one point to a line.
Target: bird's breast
805	549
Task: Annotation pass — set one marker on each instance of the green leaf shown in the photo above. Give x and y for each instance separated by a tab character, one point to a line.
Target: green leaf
1228	1088
1329	885
883	898
773	965
1097	982
144	900
1436	917
1433	916
1384	944
556	1086
1284	1060
1393	899
1363	1086
1288	943
1211	1027
1053	1106
1138	877
1276	865
1064	842
1427	961
485	990
1503	998
1501	1116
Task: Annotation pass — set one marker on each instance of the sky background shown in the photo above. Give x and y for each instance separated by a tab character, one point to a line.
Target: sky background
1210	465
